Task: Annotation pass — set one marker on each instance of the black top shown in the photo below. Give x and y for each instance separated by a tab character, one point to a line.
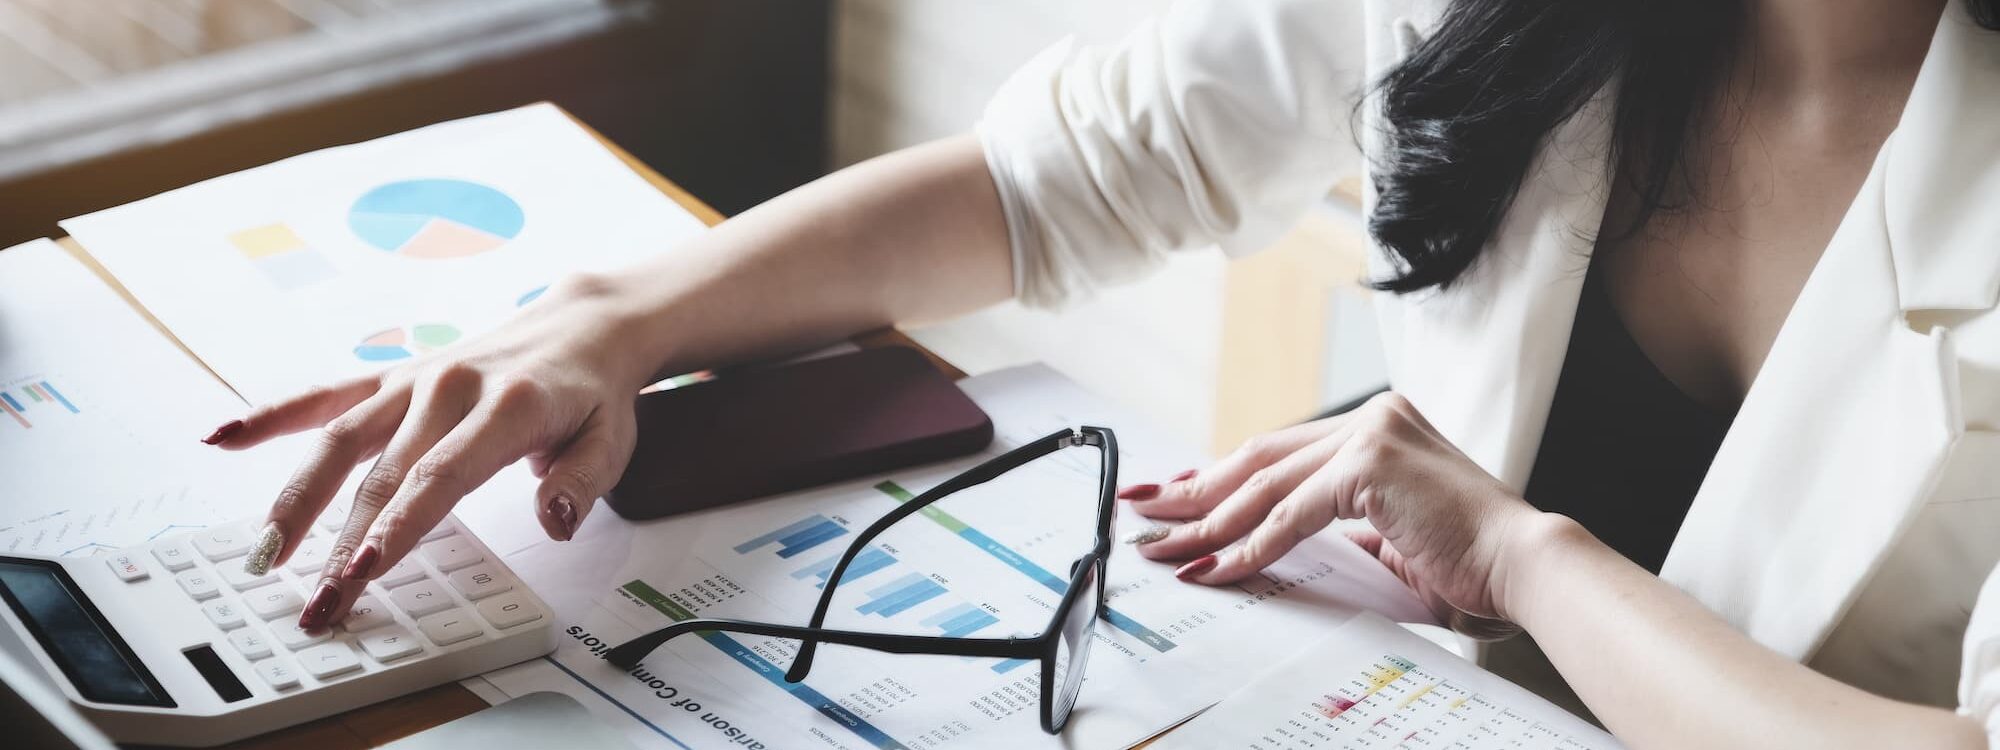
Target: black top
1625	449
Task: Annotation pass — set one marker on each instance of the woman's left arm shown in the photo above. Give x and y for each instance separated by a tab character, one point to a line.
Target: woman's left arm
1661	670
1658	668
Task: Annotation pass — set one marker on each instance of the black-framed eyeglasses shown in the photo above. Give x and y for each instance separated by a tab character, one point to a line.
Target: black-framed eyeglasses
1062	648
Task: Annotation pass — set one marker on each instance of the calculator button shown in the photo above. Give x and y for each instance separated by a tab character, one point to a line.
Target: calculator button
174	554
404	571
507	610
277	674
272	602
439	531
480	581
127	566
220	543
309	557
421	598
366	613
389	644
241	580
452	553
224	613
449	627
328	659
250	643
290	636
198	584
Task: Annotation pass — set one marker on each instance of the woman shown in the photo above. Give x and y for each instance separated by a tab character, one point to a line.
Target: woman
1713	281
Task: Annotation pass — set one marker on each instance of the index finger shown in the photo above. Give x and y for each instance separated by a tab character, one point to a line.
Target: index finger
299	413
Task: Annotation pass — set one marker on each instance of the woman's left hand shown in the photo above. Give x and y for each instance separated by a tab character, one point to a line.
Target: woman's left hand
1441	523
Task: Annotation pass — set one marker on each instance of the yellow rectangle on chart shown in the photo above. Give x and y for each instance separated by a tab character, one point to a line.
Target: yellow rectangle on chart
267	240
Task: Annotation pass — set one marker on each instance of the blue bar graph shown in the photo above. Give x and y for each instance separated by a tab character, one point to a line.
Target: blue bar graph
960	621
903	593
870	560
797	537
1009	665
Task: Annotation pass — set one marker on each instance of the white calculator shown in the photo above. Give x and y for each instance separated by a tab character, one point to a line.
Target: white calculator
171	643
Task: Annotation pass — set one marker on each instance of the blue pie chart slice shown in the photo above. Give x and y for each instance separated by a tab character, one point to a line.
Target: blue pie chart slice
435	218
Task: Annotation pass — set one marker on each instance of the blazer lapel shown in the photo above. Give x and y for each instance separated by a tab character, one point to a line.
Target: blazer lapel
1845	432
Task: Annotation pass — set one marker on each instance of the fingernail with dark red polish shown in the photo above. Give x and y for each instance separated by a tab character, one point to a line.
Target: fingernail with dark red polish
222	433
1139	492
1195	567
1184	476
363	562
319	608
565	514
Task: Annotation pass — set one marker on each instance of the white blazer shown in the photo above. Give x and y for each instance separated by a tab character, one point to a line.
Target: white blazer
1853	510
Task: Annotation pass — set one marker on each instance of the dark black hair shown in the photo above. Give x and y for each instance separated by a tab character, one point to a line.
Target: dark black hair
1465	113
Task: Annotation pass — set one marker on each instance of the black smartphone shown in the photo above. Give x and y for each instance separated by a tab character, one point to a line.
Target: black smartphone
760	432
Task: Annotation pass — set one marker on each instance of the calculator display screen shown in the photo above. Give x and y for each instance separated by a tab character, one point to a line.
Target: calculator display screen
74	634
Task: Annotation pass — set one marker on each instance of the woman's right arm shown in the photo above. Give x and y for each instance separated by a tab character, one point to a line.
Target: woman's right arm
912	235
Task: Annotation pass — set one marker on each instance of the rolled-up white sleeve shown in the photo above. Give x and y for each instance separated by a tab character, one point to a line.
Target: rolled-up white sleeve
1219	123
1979	676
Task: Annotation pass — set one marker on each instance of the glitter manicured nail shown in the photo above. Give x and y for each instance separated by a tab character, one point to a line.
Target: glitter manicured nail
265	551
1148	535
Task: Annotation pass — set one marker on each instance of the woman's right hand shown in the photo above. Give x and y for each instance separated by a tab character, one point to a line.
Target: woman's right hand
555	385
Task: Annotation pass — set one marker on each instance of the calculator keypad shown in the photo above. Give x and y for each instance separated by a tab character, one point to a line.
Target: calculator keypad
444	593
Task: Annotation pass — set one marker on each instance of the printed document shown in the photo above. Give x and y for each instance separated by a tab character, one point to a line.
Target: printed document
100	419
1371	684
989	562
345	261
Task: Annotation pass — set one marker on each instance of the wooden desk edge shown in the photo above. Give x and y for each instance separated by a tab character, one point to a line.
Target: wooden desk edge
393	719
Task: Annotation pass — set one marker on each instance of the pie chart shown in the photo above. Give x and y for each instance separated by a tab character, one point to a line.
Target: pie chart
404	343
435	218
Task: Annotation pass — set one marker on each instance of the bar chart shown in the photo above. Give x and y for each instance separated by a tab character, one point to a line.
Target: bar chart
30	395
1022	565
870	560
960	621
797	537
893	598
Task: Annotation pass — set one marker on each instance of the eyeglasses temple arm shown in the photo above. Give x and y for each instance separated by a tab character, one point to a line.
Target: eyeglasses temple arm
977	475
628	654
